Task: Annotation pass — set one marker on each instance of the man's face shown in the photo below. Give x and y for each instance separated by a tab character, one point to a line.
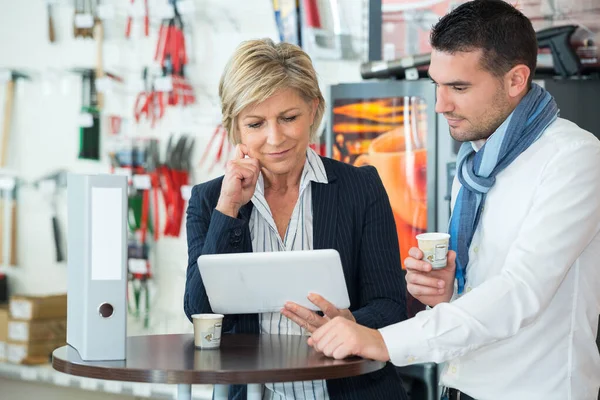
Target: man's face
473	100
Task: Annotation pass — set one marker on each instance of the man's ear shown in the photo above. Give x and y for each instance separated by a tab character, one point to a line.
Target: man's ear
517	79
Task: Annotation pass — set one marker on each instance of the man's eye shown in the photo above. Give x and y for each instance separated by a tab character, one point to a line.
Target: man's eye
255	125
459	88
290	119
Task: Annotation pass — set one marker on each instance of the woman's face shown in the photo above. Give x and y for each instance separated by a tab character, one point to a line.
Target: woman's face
277	131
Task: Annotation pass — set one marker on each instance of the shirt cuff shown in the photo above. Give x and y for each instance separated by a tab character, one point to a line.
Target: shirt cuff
406	341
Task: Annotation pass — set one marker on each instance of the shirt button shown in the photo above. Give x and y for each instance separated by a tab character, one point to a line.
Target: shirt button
411	359
453	369
468	289
476	249
237	232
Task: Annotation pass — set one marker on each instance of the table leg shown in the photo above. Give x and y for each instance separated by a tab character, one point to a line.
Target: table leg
255	391
221	392
184	392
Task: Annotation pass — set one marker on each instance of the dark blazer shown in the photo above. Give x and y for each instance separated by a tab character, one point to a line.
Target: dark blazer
351	214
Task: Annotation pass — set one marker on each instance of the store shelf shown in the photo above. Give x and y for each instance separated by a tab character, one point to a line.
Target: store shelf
45	374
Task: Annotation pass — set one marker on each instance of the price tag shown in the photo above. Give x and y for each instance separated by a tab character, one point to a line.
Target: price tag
105	11
135	85
142	390
163	84
104	84
142	182
123	171
19	309
18	331
166	11
137	266
89	384
61	379
84	20
186	192
8	183
15	353
5	76
85	120
137	9
47	186
113	386
186	7
28	374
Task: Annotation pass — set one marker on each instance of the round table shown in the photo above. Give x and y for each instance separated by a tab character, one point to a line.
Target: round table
241	359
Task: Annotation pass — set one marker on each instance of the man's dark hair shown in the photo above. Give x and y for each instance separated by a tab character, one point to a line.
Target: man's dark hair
505	36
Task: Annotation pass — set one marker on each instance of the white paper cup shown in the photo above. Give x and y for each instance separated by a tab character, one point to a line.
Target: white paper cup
207	330
434	246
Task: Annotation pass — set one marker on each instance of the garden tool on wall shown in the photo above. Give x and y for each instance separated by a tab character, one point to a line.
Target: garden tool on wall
89	131
8	221
83	19
9	98
49	185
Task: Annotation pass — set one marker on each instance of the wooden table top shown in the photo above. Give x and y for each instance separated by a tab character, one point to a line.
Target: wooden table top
240	359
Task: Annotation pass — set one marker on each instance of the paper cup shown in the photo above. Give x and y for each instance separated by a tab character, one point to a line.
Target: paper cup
207	330
434	246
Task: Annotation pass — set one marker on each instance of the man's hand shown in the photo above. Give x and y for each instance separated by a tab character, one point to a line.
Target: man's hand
429	286
310	320
341	338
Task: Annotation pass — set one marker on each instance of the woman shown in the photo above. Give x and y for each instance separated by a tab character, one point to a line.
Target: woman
279	195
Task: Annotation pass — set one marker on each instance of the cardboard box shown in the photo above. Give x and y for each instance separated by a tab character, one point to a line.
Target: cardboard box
3	323
31	353
37	330
2	351
38	307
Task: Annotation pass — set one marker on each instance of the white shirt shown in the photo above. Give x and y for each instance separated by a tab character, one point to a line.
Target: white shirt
525	328
299	236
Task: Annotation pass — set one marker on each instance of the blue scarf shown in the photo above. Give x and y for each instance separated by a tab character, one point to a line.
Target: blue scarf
477	171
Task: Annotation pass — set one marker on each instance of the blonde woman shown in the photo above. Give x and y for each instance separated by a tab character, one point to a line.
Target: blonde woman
279	195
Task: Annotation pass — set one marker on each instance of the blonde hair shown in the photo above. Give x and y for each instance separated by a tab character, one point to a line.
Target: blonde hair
259	68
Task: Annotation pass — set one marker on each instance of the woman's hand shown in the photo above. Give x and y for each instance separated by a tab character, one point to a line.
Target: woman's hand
310	320
239	182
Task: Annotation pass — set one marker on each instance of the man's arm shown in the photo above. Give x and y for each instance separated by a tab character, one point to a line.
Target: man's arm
564	218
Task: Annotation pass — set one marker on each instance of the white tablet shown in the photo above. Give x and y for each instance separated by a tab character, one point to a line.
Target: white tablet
247	283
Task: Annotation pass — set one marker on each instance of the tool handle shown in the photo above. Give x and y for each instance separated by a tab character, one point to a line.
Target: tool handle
57	243
8	103
51	35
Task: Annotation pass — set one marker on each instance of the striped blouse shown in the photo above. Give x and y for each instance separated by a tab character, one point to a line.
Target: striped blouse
299	236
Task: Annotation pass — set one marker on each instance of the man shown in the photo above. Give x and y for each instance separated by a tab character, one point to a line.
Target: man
515	312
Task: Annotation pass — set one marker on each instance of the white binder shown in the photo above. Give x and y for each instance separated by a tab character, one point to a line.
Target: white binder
97	266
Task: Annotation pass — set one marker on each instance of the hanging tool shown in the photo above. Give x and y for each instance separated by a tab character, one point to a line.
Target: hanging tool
99	36
223	149
83	19
152	163
8	105
174	174
51	35
149	102
129	22
50	185
89	132
8	221
171	43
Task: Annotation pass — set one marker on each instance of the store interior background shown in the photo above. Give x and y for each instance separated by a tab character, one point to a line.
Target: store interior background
44	136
